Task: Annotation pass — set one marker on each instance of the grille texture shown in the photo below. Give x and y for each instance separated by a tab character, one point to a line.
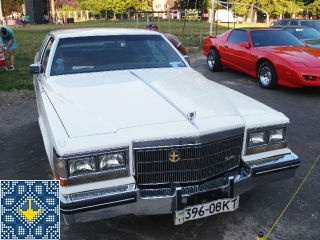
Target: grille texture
198	161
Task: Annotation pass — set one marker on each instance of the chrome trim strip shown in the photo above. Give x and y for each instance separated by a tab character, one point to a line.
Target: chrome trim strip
192	140
276	170
273	164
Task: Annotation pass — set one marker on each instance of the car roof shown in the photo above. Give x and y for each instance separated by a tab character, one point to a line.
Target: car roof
258	29
293	26
288	20
86	32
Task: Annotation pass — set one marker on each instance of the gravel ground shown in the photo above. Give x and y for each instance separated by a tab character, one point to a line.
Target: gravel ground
14	105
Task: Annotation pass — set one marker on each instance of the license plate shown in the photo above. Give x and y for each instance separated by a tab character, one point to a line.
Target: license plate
206	209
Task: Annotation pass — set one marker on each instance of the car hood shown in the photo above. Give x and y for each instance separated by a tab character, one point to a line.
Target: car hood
310	57
107	102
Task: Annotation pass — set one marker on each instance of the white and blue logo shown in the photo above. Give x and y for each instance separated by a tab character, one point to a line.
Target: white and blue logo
30	210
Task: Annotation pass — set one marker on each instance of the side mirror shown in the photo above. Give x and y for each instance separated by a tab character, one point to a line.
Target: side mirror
36	68
245	44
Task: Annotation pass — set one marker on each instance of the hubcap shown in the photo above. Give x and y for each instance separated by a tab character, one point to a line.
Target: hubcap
265	76
211	61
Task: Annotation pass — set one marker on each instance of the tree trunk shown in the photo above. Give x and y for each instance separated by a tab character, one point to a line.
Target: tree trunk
53	8
1	13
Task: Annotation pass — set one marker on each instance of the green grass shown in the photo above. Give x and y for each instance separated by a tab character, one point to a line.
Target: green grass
29	40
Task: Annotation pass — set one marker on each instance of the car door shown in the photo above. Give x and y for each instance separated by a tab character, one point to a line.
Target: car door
39	58
237	51
42	59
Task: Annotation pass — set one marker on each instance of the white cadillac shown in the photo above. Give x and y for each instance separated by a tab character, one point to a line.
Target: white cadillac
130	128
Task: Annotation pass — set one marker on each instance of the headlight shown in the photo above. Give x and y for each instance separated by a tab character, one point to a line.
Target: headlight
261	140
82	166
111	161
93	166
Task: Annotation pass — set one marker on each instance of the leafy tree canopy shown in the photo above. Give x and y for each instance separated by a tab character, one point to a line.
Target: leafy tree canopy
9	6
275	7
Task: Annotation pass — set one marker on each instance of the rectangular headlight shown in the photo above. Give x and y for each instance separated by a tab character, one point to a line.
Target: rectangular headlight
277	135
112	161
81	166
257	138
92	166
266	139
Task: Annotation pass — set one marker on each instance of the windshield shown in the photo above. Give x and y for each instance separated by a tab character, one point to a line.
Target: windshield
108	53
264	38
311	23
304	33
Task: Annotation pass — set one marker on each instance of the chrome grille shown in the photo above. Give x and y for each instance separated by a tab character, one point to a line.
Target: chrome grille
201	159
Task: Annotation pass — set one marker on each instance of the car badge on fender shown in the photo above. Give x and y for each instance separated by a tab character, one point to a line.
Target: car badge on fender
174	156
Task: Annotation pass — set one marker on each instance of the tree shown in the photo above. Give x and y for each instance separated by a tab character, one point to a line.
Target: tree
1	12
114	5
314	8
10	6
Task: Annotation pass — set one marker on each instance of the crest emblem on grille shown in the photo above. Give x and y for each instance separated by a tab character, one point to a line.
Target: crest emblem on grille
174	156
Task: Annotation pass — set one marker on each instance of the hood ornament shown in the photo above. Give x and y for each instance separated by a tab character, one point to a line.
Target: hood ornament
191	115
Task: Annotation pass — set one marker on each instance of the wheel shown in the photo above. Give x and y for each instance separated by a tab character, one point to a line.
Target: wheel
213	60
267	76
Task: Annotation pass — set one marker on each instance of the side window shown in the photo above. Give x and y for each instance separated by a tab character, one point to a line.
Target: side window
285	22
46	53
294	22
305	23
238	36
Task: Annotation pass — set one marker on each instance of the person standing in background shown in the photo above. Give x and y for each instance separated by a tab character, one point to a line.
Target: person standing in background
172	38
8	39
23	20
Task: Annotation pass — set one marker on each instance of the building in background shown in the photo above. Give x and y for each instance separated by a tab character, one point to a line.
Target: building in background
35	9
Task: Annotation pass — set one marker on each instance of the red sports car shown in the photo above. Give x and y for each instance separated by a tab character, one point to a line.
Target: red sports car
273	56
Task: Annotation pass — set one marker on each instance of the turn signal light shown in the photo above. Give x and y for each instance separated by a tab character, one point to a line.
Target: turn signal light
309	77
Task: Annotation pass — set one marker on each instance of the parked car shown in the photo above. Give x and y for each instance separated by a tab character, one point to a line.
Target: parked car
308	35
286	21
273	56
311	23
130	128
302	22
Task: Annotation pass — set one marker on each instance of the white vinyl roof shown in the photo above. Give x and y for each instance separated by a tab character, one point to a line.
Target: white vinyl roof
79	32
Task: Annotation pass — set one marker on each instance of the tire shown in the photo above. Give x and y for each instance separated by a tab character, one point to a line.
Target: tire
267	76
213	60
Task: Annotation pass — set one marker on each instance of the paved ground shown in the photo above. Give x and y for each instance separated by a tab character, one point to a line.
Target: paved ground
22	157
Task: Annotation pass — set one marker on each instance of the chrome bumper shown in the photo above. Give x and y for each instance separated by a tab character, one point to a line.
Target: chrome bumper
124	200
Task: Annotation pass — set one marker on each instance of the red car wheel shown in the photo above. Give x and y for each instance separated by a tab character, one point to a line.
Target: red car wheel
267	76
213	60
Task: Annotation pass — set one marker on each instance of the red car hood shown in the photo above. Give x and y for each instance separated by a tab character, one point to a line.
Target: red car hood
301	56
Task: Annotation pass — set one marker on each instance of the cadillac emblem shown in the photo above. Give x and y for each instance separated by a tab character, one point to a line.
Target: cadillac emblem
174	156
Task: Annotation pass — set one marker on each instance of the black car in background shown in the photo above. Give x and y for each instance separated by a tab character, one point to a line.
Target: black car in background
300	22
308	35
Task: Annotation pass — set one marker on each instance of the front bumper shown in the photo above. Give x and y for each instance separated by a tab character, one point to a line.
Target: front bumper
129	199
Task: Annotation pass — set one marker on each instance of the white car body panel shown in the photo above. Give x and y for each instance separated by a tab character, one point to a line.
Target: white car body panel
73	101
